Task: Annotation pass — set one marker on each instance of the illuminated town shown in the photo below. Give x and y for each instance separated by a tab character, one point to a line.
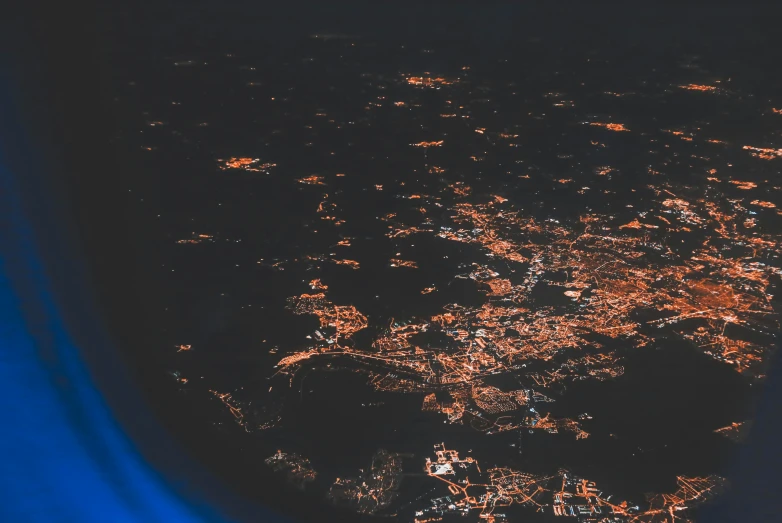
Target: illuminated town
491	491
374	490
297	469
569	283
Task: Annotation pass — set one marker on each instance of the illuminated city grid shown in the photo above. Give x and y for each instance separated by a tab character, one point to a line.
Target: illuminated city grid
692	258
488	492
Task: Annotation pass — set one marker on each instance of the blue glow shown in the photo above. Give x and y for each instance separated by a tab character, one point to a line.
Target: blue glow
65	458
